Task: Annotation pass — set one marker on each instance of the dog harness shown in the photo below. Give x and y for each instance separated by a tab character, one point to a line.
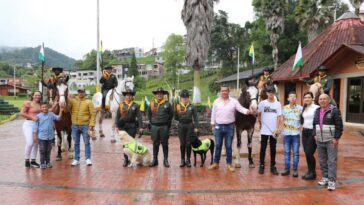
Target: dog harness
205	145
136	147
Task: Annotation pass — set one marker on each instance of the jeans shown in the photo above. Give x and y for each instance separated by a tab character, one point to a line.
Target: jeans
327	154
309	147
291	142
224	131
263	147
45	148
77	130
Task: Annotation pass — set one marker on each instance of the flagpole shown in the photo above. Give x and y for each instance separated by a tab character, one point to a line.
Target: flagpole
42	75
237	77
97	49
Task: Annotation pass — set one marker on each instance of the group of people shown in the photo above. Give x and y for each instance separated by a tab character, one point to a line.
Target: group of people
320	126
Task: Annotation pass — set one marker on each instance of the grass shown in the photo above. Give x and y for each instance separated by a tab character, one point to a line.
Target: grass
17	102
4	117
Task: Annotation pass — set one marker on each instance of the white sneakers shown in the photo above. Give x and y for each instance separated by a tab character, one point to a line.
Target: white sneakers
324	181
331	185
88	162
76	162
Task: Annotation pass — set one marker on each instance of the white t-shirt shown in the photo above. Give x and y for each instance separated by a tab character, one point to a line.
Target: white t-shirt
269	112
308	116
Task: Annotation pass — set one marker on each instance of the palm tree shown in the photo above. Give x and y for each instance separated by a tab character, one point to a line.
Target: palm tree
273	14
356	4
310	14
197	15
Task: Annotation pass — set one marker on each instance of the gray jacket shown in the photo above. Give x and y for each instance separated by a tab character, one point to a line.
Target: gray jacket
332	125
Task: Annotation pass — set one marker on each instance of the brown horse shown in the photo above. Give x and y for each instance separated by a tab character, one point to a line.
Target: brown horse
248	99
59	95
316	90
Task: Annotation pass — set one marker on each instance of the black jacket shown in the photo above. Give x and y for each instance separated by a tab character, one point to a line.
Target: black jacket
332	126
110	83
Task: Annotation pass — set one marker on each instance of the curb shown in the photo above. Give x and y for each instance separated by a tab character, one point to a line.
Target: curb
11	118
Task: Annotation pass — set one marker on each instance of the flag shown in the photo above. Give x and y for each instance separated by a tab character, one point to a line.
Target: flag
252	54
209	106
298	61
41	53
101	51
144	104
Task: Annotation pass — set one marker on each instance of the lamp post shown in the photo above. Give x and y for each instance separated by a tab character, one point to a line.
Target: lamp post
14	83
98	49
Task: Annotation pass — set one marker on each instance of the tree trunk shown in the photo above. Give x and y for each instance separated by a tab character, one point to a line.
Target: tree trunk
274	40
196	84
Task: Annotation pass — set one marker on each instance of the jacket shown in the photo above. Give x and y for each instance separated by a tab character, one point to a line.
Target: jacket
109	83
332	125
82	111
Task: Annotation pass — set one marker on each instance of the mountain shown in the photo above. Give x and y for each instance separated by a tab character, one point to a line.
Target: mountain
24	56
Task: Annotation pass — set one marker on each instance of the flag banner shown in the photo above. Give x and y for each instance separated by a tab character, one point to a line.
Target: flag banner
252	54
41	53
298	61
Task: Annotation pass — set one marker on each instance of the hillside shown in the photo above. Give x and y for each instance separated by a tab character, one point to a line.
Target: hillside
30	55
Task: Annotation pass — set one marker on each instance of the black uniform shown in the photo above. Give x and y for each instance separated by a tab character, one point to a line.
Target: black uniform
108	83
129	118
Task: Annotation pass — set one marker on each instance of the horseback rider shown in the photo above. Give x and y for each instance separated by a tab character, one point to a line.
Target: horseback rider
129	118
108	81
267	77
322	78
53	80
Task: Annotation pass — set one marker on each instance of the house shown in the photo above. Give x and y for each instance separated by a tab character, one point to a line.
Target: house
340	48
8	90
128	52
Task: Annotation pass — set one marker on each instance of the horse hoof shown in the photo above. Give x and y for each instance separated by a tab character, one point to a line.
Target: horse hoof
113	140
102	135
94	138
237	165
58	158
251	166
63	149
70	156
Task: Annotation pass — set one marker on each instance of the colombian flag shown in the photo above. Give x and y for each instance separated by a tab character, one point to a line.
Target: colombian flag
144	104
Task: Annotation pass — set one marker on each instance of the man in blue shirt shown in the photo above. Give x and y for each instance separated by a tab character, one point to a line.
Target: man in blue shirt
44	132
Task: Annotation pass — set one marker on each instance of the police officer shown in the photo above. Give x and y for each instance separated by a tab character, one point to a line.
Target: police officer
129	118
58	74
160	114
108	81
267	77
322	78
186	115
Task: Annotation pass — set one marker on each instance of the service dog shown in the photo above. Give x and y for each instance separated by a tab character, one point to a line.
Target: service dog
201	147
138	153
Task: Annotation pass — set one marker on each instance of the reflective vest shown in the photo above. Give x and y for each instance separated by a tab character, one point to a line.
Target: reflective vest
205	145
136	147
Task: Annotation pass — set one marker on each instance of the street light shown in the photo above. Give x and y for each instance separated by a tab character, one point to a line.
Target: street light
14	83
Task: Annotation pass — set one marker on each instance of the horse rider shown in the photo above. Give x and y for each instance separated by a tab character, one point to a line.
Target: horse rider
129	118
58	74
160	114
267	77
108	81
322	78
186	115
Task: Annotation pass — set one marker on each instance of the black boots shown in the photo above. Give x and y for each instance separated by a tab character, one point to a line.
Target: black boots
155	156
165	154
188	163
183	163
126	161
27	163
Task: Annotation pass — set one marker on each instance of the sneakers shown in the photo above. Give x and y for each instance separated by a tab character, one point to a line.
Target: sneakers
295	173
331	185
213	166
274	170
88	162
33	163
49	165
230	168
285	172
261	169
324	181
75	163
27	164
43	166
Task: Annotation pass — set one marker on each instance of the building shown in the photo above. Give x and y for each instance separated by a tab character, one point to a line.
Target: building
128	52
340	48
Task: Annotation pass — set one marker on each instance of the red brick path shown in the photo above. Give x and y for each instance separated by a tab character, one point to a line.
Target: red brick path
107	182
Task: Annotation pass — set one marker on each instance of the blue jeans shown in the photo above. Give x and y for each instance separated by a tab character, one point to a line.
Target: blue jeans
291	142
223	131
77	130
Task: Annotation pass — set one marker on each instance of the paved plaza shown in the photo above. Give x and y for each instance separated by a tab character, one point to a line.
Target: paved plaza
107	182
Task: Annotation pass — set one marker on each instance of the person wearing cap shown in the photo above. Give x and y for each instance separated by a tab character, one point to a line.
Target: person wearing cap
267	77
58	74
186	115
83	119
160	114
270	118
108	81
322	78
129	118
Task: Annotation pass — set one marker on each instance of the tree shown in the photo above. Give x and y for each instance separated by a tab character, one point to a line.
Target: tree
173	55
356	4
197	16
89	60
133	70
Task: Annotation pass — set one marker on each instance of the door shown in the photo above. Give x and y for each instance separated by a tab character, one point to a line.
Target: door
355	101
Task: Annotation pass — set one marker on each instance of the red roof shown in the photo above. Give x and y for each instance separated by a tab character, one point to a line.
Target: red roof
348	29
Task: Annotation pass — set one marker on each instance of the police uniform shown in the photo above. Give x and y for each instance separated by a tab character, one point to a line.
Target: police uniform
186	115
108	81
267	77
160	114
128	118
53	80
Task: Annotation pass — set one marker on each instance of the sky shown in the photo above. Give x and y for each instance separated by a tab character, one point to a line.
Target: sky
69	26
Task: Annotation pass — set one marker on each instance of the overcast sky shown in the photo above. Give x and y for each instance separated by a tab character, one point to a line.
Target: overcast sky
69	26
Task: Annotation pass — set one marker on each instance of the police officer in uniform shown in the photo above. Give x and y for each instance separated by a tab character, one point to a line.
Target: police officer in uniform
108	81
267	77
186	115
322	78
129	118
160	114
58	74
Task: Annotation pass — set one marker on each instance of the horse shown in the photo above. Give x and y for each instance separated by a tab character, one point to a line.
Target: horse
64	125
113	98
248	99
316	90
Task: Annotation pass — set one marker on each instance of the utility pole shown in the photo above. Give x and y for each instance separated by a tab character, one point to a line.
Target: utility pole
98	89
14	83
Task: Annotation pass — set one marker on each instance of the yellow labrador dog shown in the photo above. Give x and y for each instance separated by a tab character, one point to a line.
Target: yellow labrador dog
138	153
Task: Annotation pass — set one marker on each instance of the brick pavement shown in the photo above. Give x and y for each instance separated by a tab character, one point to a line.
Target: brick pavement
107	182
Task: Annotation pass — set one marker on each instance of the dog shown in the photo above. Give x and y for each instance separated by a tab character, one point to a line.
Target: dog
201	147
138	153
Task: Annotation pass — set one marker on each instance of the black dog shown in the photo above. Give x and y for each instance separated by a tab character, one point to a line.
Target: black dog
201	147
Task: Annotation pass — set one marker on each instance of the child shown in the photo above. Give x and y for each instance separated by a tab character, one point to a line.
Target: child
44	132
